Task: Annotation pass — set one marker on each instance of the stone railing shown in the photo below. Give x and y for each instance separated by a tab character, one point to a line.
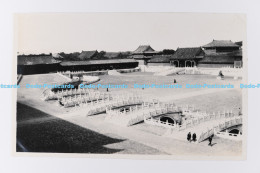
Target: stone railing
231	136
155	122
226	123
201	117
136	114
198	118
193	70
81	73
129	70
51	95
96	107
71	101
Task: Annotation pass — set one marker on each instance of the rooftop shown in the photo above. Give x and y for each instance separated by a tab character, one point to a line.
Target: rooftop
218	59
160	59
111	54
221	43
143	48
84	55
36	59
188	53
95	62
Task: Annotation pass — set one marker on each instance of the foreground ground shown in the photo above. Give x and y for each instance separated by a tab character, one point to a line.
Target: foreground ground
45	127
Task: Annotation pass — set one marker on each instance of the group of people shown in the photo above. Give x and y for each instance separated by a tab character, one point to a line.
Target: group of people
192	138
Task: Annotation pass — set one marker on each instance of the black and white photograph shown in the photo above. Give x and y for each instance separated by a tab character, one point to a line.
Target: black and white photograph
131	85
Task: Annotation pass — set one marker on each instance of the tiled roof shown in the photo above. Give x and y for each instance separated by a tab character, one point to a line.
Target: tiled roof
240	43
187	53
95	62
111	54
57	56
160	59
84	55
217	59
35	60
214	53
140	57
143	49
221	43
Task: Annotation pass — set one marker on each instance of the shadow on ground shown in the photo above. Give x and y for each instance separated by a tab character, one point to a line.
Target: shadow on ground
57	136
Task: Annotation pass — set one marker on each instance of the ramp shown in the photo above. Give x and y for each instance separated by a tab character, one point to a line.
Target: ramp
114	72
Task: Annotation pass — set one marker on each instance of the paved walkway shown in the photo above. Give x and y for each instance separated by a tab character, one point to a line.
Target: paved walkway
164	144
195	93
198	129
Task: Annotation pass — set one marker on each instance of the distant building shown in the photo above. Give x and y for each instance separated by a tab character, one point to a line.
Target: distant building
159	60
112	55
57	56
218	53
87	55
143	53
94	65
222	53
187	57
36	64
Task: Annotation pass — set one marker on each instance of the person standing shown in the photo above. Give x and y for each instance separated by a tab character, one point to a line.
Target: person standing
189	137
210	140
194	137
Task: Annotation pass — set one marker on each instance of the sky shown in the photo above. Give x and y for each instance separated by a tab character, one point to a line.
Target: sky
74	32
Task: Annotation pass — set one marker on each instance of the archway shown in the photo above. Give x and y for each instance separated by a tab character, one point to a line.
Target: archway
188	63
193	63
176	63
127	109
234	131
165	119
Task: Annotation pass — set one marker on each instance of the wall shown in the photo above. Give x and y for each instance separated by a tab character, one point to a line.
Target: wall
140	62
98	67
37	69
47	68
159	64
215	65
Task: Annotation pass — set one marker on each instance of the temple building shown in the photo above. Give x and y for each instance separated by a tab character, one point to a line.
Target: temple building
187	57
94	65
222	53
216	54
36	64
143	53
87	55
